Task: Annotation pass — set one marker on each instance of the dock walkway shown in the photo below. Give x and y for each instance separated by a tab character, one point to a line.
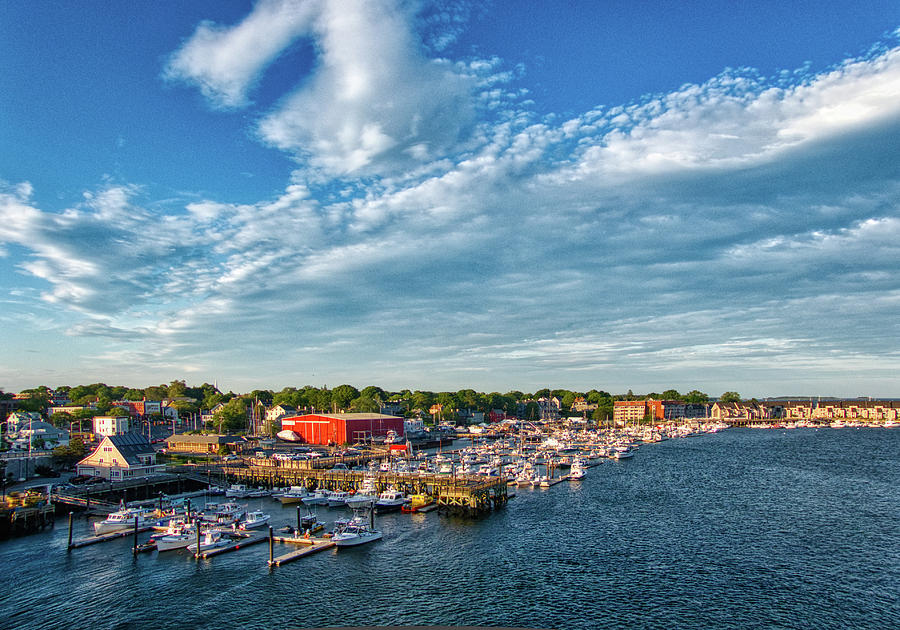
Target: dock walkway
311	546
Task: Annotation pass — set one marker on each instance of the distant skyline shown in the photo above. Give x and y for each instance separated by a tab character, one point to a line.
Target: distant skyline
438	196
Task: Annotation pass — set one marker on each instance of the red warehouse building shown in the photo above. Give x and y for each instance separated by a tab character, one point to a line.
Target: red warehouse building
341	428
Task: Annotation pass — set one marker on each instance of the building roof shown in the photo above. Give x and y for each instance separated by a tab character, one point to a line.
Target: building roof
130	445
353	416
202	438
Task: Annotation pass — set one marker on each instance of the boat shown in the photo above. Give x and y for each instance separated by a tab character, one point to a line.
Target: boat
254	519
319	497
417	501
294	494
237	491
211	539
177	536
356	532
577	471
360	500
124	518
390	500
224	512
337	498
310	524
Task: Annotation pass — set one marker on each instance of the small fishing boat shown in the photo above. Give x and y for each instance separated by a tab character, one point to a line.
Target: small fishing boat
294	494
124	518
356	532
211	540
255	519
319	497
390	500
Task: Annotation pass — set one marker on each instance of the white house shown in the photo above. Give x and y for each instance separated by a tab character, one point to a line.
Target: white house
277	412
121	457
110	425
51	436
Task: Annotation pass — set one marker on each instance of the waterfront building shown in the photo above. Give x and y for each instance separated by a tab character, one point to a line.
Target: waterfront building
732	411
192	443
26	433
120	457
110	425
342	428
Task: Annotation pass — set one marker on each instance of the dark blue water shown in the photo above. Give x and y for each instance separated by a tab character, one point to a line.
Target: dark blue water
740	529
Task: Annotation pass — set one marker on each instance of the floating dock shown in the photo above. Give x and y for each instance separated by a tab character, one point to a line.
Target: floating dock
311	546
235	545
93	540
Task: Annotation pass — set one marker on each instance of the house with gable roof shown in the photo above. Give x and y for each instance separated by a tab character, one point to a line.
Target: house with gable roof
119	457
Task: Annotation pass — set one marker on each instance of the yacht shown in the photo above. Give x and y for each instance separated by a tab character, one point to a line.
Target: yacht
390	500
294	494
337	498
577	471
319	497
178	536
211	539
356	532
255	519
124	518
237	491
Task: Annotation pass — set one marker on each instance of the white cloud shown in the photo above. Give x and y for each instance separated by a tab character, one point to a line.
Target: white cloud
226	62
375	102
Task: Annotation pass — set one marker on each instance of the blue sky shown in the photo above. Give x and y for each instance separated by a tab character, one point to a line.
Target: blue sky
610	195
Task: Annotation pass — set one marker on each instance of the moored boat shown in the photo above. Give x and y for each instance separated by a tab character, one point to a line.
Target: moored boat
356	532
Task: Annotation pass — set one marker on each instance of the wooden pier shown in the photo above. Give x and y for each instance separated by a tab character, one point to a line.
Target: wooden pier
311	546
466	495
240	543
93	540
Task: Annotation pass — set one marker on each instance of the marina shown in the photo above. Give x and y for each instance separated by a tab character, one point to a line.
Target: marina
675	522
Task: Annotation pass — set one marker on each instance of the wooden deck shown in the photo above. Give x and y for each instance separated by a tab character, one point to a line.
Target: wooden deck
463	494
310	546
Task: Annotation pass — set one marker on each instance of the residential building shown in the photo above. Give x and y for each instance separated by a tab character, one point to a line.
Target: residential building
277	412
119	457
110	425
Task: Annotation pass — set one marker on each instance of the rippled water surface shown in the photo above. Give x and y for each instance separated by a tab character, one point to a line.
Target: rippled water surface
740	529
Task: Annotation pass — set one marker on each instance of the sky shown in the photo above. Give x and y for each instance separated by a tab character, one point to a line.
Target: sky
446	195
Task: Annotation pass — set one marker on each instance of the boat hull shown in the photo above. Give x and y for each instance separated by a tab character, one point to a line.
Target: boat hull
355	541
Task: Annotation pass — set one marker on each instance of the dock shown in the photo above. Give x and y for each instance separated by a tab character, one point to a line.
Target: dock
311	546
93	540
464	495
235	545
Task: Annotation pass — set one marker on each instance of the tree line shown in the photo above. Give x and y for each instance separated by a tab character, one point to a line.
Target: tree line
444	406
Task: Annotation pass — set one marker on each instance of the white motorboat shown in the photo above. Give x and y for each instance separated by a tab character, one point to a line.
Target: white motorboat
255	519
577	471
294	494
360	500
224	512
356	532
178	536
390	500
237	491
337	498
319	497
211	539
123	519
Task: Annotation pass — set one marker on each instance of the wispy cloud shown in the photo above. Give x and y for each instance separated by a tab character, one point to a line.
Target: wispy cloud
435	220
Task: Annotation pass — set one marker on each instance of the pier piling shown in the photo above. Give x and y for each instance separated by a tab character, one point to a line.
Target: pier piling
272	543
69	546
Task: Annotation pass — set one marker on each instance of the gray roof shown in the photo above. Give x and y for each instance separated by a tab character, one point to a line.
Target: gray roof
130	445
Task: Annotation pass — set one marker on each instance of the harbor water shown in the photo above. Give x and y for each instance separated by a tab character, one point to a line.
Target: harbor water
739	529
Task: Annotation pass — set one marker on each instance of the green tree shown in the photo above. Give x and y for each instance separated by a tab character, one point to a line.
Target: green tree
61	419
232	417
342	395
671	394
730	397
696	397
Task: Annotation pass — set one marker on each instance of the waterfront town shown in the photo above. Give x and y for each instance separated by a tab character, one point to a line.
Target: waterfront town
460	452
